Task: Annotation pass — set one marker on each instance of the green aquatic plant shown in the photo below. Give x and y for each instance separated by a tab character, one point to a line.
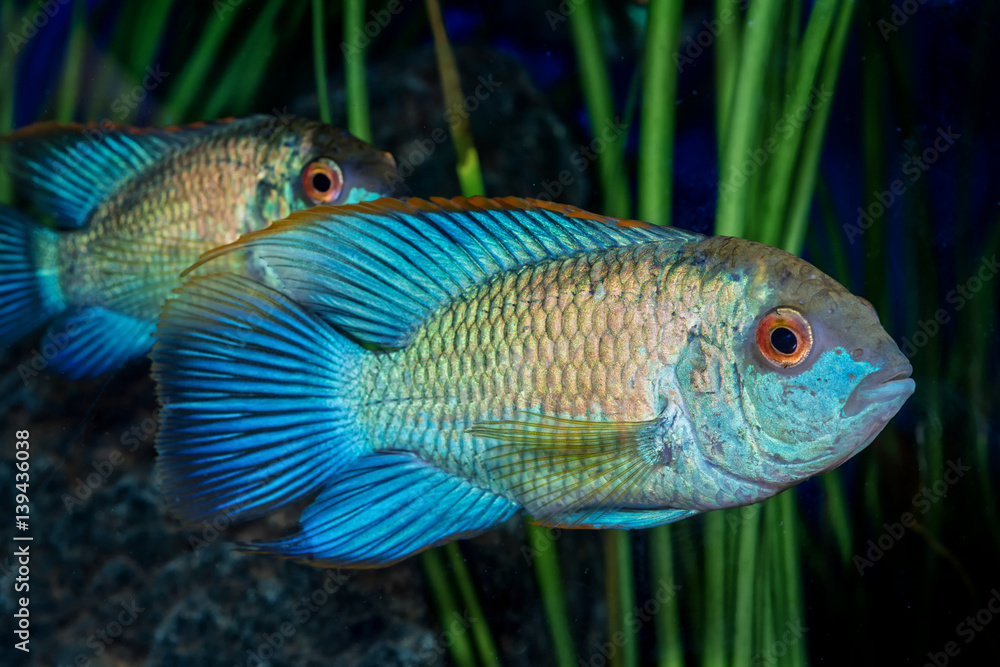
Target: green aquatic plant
69	84
596	84
355	76
319	61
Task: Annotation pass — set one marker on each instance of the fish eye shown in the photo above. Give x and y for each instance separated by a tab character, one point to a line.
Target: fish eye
784	337
322	180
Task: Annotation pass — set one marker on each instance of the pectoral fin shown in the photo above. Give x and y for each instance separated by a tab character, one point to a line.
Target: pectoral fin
573	472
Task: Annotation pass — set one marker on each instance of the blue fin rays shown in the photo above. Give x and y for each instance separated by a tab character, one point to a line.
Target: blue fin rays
256	395
29	292
386	507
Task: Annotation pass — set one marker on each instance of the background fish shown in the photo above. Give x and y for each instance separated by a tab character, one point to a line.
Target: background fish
132	208
422	371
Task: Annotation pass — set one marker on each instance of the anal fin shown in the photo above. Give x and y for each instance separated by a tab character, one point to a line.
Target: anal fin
91	341
386	507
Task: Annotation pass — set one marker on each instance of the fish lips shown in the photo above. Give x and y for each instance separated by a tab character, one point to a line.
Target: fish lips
882	394
888	387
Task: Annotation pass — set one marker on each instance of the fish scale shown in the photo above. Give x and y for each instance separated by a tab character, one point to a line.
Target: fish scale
582	339
185	197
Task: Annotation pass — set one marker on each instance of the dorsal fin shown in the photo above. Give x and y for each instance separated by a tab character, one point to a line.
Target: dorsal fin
68	169
377	270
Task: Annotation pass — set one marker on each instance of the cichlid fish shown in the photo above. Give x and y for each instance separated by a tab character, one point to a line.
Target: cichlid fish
133	207
423	370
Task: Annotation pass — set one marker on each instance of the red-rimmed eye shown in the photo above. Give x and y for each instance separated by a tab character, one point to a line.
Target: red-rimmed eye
322	180
784	337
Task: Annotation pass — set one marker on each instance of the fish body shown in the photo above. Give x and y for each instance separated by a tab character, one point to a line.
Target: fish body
427	369
131	208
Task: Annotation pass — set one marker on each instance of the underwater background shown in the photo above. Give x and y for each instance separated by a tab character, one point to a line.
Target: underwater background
862	135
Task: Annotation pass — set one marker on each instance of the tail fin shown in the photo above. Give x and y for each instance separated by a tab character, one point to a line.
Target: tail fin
258	400
29	291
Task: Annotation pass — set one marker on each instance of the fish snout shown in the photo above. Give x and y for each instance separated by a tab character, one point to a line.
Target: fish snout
374	172
890	385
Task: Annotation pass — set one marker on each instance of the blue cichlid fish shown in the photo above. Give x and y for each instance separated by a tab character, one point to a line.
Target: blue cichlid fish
133	207
421	371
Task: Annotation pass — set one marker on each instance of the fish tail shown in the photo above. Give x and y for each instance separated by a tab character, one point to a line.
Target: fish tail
259	400
30	294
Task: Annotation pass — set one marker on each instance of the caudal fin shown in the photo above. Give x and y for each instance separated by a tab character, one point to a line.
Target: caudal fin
258	400
29	288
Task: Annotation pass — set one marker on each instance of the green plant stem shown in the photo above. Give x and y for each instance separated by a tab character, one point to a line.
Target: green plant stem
782	164
656	129
837	512
480	629
461	648
713	654
469	173
792	585
68	93
834	234
743	612
669	650
793	46
235	93
597	93
546	564
744	112
620	596
146	34
191	78
769	592
727	64
812	146
874	98
355	75
319	60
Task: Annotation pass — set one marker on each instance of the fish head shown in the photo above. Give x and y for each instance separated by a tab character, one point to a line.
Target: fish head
328	165
816	377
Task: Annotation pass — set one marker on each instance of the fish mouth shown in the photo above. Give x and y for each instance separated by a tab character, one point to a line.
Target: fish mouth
888	386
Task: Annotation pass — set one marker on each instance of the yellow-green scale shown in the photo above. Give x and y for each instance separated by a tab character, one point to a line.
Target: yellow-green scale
193	201
590	337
